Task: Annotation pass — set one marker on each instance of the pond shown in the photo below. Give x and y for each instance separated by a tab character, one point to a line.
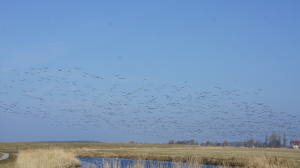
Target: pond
128	163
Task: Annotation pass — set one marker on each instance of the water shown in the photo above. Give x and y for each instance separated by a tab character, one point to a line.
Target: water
123	163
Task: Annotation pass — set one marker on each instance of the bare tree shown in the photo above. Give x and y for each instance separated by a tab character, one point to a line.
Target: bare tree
171	141
207	143
267	140
284	140
240	143
279	141
250	142
274	141
258	144
225	143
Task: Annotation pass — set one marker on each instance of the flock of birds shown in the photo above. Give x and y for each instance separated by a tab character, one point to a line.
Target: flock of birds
82	100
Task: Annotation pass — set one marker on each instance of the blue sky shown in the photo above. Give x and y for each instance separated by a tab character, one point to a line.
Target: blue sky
149	71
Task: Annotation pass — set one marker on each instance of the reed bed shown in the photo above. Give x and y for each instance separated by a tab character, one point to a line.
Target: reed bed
159	149
222	156
195	164
142	164
237	162
52	158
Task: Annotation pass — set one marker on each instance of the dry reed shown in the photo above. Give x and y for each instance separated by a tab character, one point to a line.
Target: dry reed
237	162
142	164
230	157
52	158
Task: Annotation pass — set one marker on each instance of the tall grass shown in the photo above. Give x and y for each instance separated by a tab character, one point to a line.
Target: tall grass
160	149
52	158
237	162
67	158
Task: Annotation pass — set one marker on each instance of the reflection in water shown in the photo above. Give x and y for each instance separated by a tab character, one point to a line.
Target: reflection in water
128	163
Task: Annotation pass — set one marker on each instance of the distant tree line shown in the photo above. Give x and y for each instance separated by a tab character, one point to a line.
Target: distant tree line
189	142
132	142
274	141
84	141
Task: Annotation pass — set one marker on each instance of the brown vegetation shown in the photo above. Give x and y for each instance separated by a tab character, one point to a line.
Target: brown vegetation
57	158
51	158
248	162
225	156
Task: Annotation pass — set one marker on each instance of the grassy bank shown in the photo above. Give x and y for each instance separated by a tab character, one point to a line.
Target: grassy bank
193	163
10	161
52	158
227	156
160	149
232	161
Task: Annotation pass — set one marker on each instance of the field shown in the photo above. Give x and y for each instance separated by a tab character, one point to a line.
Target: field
230	156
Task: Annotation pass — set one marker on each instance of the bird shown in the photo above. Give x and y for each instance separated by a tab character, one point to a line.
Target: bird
169	110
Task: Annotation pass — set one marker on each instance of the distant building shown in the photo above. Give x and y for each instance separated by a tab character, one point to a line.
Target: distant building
295	144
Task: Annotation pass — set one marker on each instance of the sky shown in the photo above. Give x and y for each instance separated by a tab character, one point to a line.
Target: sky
149	71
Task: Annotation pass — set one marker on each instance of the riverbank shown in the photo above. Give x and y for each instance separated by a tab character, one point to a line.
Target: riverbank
51	158
233	161
164	152
127	163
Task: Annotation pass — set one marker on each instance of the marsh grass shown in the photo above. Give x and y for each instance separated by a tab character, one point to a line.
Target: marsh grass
160	149
10	161
52	158
4	146
226	156
233	161
256	163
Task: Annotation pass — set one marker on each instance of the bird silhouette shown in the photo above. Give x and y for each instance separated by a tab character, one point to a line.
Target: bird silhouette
78	99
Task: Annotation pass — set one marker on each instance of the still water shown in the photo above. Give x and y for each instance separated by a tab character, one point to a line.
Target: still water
123	163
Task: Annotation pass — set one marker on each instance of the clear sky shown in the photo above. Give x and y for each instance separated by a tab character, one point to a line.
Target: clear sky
149	71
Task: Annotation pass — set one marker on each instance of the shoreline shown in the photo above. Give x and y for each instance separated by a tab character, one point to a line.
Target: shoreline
214	156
